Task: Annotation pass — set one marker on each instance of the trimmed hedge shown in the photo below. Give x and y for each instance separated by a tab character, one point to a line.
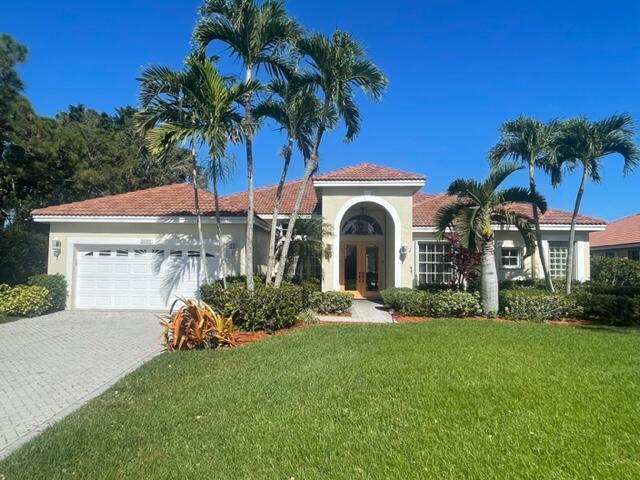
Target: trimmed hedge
266	308
57	286
24	300
446	303
330	302
397	298
538	305
620	310
615	271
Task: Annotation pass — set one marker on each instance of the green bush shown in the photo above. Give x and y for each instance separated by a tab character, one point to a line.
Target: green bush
57	286
615	271
609	308
266	308
24	300
446	303
626	291
330	302
538	305
397	298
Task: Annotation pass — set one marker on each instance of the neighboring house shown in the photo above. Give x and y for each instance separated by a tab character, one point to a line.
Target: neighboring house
140	249
620	239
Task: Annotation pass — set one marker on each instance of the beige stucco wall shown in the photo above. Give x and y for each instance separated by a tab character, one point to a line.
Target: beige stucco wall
153	233
532	267
399	198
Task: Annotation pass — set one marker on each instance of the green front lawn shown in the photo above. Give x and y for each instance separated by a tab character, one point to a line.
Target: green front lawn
441	399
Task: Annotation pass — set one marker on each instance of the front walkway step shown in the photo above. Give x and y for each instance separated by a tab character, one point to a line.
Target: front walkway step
362	311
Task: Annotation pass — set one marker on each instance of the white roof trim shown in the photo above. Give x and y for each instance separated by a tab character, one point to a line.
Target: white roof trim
368	183
143	219
543	226
616	246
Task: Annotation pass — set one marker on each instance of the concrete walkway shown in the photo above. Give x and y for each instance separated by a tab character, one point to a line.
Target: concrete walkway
363	311
53	364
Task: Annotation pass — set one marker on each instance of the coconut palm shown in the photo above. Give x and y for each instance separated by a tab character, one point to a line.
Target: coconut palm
478	206
581	143
526	139
337	66
296	111
192	106
255	34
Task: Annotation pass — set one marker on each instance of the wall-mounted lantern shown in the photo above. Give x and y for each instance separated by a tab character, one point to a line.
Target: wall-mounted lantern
328	251
56	247
404	250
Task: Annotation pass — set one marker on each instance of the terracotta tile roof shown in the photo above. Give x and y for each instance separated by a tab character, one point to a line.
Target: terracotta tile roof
425	207
623	231
177	200
368	172
264	198
168	200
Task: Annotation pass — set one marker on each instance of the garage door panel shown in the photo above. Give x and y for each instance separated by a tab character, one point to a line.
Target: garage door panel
127	277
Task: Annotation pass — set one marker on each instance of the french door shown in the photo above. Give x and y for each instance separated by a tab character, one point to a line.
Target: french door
361	268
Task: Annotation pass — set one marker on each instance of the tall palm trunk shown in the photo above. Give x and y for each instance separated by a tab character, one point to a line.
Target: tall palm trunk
223	266
288	150
310	166
489	278
536	221
248	258
572	230
196	201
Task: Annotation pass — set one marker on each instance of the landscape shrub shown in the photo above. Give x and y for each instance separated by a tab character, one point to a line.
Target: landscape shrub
24	300
538	305
435	287
195	325
621	310
397	298
446	303
57	286
615	271
330	302
266	308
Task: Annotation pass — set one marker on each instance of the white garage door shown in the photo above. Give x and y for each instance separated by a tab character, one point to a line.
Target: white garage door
122	277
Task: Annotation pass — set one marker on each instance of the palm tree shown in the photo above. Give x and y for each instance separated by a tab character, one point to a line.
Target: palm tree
306	242
191	106
256	34
474	211
297	113
338	65
526	139
580	142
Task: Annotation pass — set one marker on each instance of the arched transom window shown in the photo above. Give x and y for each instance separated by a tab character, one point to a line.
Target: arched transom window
362	225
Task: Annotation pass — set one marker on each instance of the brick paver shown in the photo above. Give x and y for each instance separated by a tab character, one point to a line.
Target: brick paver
51	365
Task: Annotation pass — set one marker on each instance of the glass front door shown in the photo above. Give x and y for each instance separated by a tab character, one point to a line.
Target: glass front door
361	268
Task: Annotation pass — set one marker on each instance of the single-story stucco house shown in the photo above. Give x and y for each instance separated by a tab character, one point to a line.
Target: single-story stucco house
620	239
140	249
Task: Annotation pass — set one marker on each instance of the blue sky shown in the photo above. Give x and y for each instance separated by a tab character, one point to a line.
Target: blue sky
457	69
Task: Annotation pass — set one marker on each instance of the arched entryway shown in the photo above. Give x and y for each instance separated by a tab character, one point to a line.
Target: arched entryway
366	233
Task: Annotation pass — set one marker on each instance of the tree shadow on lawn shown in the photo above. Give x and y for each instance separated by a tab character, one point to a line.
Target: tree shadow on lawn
610	328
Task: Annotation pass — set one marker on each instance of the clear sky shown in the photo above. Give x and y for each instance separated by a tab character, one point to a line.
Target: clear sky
457	69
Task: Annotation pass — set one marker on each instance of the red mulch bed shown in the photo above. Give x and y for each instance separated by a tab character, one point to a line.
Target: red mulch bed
243	338
401	318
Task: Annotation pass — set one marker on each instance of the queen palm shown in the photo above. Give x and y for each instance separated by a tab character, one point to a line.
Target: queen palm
478	206
296	110
337	66
580	143
526	139
191	106
256	35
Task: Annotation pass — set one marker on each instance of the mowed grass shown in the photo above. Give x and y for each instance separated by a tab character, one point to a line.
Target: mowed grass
441	399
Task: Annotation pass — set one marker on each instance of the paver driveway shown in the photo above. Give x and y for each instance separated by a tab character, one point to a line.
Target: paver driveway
51	365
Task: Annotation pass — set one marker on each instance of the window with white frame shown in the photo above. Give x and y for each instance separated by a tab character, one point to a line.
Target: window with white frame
511	258
558	255
434	263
